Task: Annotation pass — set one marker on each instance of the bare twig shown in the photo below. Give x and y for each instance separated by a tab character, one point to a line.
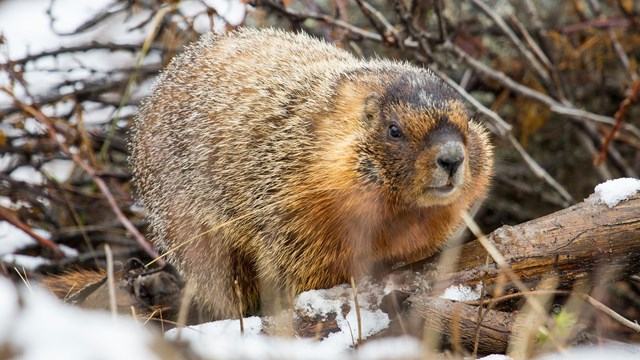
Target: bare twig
299	16
421	37
94	45
357	308
555	106
89	170
111	285
522	49
236	287
183	312
388	33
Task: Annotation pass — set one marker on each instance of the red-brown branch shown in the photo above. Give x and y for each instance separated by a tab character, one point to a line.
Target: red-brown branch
10	218
619	116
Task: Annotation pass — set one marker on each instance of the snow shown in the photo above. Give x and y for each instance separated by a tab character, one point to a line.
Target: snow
26	27
8	306
58	169
495	357
28	30
36	326
27	174
613	192
391	348
31	263
252	346
609	351
25	262
204	332
233	12
13	239
462	293
221	339
326	301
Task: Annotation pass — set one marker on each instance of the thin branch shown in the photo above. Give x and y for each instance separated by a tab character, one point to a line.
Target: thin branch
111	285
555	106
94	45
388	33
421	36
44	119
300	16
10	218
522	49
539	53
357	306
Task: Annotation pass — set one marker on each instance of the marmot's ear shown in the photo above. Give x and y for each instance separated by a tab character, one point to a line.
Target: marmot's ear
372	106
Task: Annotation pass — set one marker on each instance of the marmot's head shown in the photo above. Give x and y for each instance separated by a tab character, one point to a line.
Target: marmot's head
420	145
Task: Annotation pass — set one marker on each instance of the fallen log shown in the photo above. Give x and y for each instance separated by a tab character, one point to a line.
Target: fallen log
572	243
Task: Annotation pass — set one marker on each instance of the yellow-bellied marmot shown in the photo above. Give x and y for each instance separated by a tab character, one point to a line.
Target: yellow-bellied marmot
278	160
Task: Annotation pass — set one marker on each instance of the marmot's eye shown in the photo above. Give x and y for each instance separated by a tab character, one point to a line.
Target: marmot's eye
394	131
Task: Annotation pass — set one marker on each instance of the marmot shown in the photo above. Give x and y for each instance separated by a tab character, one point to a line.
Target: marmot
271	160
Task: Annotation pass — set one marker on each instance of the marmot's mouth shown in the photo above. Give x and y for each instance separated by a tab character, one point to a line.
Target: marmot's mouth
442	190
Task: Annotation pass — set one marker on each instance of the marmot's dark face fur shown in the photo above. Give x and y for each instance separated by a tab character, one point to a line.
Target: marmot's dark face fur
274	159
417	139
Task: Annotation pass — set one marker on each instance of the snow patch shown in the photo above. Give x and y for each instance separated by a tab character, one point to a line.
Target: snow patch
495	357
13	239
391	348
260	347
25	262
27	174
58	169
8	306
68	251
233	12
612	192
42	328
222	339
462	293
617	351
211	330
326	301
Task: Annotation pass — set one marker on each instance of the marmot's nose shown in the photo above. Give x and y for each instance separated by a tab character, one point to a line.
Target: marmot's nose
450	156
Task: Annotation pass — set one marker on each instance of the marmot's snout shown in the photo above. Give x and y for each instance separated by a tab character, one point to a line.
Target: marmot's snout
449	170
449	158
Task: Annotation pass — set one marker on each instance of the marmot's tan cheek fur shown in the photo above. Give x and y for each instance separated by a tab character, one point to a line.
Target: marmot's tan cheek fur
256	162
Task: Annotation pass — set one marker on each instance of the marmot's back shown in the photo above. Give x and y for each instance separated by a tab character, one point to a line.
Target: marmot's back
278	160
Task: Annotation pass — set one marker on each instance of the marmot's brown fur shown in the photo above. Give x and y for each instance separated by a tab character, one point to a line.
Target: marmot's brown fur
280	161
